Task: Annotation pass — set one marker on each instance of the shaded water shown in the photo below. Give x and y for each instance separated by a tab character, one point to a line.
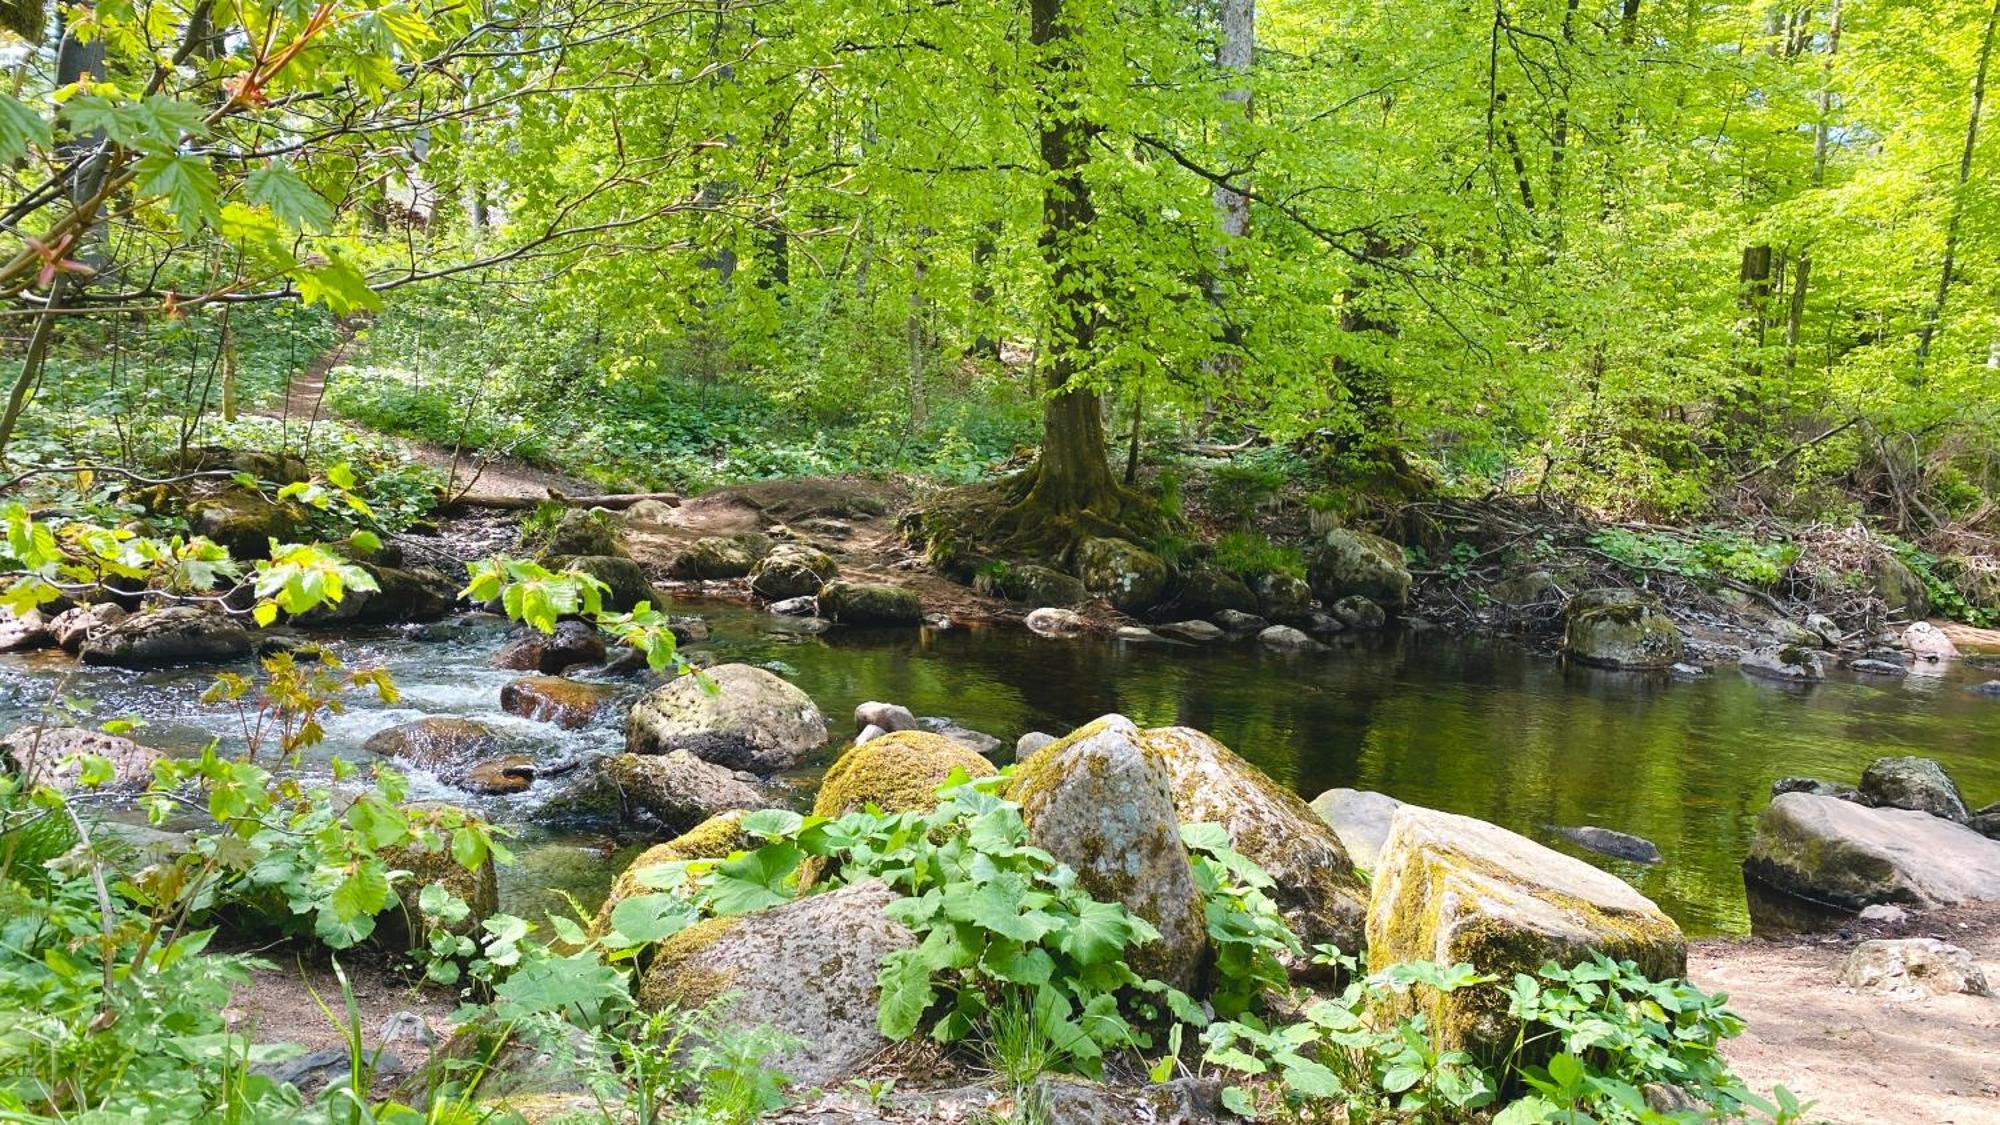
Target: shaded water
1460	724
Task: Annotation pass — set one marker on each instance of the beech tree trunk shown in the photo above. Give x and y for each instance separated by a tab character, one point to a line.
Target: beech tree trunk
1936	314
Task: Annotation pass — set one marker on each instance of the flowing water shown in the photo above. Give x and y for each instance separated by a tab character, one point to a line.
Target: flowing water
1467	725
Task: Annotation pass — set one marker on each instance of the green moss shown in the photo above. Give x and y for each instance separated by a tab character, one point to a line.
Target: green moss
898	772
673	979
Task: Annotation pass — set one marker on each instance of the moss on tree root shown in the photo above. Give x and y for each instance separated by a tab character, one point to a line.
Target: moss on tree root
1015	518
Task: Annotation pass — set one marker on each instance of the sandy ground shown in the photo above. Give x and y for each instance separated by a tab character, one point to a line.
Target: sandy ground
278	1005
1863	1058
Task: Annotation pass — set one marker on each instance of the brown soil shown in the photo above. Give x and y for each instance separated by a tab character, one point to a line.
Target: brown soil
1862	1058
278	1004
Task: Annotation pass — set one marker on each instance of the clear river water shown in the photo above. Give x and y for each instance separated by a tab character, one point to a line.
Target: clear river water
1473	726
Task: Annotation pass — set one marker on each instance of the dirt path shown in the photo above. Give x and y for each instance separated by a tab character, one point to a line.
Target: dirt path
1862	1058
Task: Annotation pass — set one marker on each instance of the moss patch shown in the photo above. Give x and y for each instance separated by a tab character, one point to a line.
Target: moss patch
898	772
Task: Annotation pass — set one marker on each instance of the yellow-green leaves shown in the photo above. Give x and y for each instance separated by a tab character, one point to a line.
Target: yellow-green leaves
300	577
290	198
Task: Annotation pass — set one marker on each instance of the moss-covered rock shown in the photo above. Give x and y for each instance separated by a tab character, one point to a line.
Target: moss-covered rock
531	650
626	580
870	603
1129	576
1614	628
1450	888
897	772
580	531
162	637
400	594
1205	591
806	969
714	838
752	720
713	558
1283	598
1913	783
45	754
266	465
1839	852
1356	612
552	699
1101	803
434	741
1784	663
478	887
1355	562
245	521
1318	891
1900	589
678	789
792	570
1030	584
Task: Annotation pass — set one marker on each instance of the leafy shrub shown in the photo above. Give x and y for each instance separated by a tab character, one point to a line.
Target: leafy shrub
1249	555
1706	555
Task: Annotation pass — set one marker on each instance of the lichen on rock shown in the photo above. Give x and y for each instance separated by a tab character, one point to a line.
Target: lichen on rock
751	719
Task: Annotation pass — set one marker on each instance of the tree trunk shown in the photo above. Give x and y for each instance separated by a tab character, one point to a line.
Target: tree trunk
1929	330
1234	55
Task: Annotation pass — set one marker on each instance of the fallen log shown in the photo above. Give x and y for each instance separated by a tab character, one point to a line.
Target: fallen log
614	500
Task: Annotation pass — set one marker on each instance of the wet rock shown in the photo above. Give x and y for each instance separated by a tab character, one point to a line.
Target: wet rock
46	756
792	570
1986	821
980	742
687	629
1825	628
70	628
25	632
715	838
1871	667
1076	1101
1284	638
1029	584
1026	745
1786	632
1283	597
511	773
655	512
1050	621
626	580
1357	612
1316	886
794	607
1814	786
897	772
434	742
1849	855
1989	688
1450	888
713	558
1928	644
1606	841
1911	967
1200	632
1207	590
1352	562
888	716
1129	576
586	532
531	650
1100	803
753	720
1901	590
806	969
870	603
245	521
161	637
1134	634
1237	621
1322	624
1913	783
1360	818
401	594
678	789
1689	672
1615	628
552	699
1785	664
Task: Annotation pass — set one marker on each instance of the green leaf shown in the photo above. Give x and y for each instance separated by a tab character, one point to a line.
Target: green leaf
580	982
293	200
907	994
771	824
189	185
1099	933
754	881
647	918
363	894
339	285
20	127
1237	1100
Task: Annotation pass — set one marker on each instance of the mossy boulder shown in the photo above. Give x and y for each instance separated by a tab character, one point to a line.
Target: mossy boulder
752	720
434	741
1913	783
1205	591
1615	628
552	699
45	754
896	772
806	968
1355	562
1101	803
1901	590
1450	888
531	650
678	789
478	887
266	465
626	581
713	558
714	838
1358	613
581	531
870	603
245	521
1124	573
1318	890
1030	584
163	637
1283	598
1849	855
792	570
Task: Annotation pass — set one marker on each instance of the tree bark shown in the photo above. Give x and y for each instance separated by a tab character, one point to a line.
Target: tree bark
1929	330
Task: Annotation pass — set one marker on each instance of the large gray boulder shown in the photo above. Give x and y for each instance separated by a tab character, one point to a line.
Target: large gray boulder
1450	888
1349	562
160	637
1030	584
46	755
713	558
752	720
1850	855
678	789
792	570
1361	818
1101	803
870	603
1913	783
1129	576
806	969
1616	628
25	632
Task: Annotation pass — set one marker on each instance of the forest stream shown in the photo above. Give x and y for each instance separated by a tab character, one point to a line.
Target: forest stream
1475	727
